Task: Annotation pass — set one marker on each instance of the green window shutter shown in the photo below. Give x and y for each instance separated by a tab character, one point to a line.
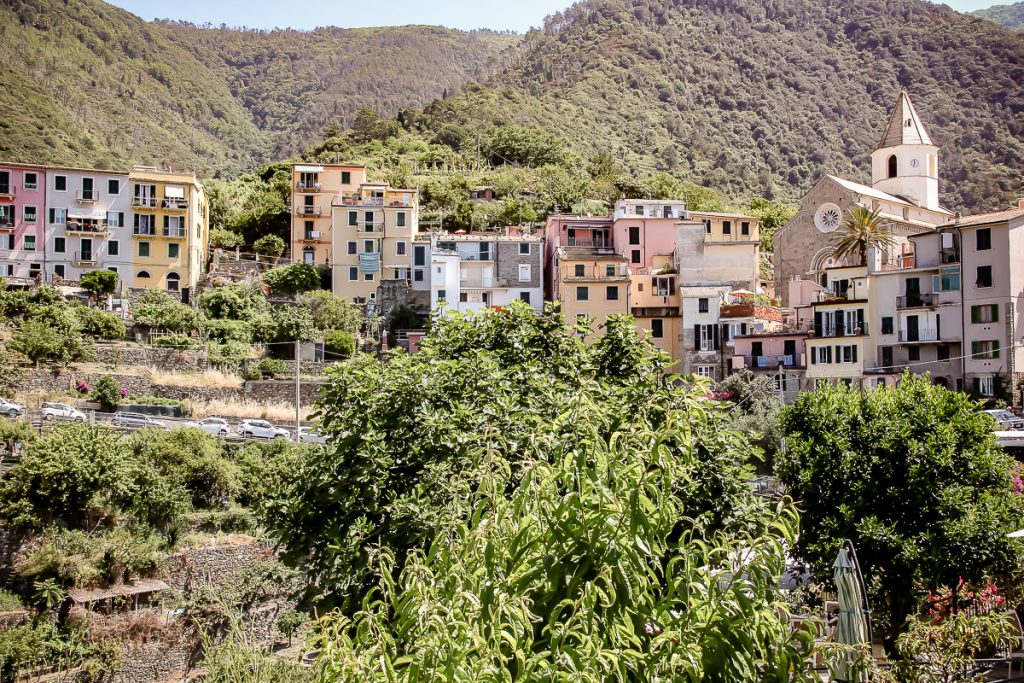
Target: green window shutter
995	313
995	349
975	349
975	314
854	354
976	383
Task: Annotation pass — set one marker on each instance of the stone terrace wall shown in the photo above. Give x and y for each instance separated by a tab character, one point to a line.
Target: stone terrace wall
155	661
134	355
211	566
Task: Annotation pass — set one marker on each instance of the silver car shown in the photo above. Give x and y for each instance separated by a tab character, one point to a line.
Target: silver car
1005	420
311	435
261	429
136	421
214	426
11	409
61	411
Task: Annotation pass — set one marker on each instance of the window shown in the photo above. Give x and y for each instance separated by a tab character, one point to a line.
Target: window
525	272
115	219
745	228
579	270
707	226
524	248
663	286
658	328
400	219
913	353
463	297
59	245
28	242
984	349
368	277
353	273
635	256
941	352
821	355
31	181
705	337
524	296
419	256
984	277
368	246
887	325
442	295
173	282
143	249
893	166
113	248
703	305
143	275
172	250
113	186
984	239
60	183
611	293
58	216
582	294
634	234
706	371
948	280
58	270
609	271
368	218
353	218
417	275
346	177
352	247
986	313
985	386
726	227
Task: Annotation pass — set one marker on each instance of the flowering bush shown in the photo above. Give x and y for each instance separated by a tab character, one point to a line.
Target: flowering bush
82	387
124	392
975	601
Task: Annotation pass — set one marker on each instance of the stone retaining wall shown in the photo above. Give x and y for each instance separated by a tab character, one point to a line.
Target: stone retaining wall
9	620
211	566
155	661
134	355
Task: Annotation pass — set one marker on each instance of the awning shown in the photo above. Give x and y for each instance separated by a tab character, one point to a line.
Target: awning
174	192
309	169
88	214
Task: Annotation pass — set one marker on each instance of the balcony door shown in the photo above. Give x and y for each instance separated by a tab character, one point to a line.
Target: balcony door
913	331
86	249
87	188
913	291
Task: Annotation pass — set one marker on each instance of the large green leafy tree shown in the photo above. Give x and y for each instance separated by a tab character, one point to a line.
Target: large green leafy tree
913	476
512	503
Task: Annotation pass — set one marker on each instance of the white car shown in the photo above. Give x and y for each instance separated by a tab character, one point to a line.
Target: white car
61	411
214	426
1005	420
311	435
11	409
261	429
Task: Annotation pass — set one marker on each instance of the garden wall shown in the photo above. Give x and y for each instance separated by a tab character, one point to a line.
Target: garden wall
135	355
211	566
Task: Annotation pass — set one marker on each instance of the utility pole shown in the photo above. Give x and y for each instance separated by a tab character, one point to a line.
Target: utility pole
298	383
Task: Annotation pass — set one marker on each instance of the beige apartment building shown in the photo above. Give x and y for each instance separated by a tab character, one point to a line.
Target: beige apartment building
591	285
315	188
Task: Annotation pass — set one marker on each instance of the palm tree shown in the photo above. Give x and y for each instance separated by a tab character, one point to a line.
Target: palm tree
862	229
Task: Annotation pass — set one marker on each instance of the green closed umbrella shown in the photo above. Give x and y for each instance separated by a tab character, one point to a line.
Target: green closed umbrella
852	628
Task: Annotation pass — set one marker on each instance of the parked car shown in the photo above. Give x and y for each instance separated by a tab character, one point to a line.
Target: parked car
10	408
261	429
311	435
61	411
136	420
1006	420
214	426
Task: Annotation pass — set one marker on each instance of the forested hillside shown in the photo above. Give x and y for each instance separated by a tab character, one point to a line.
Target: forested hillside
754	97
1007	16
86	83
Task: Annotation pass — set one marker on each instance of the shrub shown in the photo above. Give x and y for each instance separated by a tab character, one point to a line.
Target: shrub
340	344
292	279
99	324
158	309
230	353
269	245
252	373
174	341
155	401
107	392
270	367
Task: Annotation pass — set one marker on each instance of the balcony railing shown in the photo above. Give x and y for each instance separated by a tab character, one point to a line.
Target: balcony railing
473	280
174	232
6	224
836	331
84	257
593	244
307	210
144	231
307	187
76	228
916	300
826	296
87	195
475	256
919	335
312	236
773	362
144	202
175	204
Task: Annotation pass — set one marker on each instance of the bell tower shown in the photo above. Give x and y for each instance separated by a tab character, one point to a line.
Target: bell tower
905	162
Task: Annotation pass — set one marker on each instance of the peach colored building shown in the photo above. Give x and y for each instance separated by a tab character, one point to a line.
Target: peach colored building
315	187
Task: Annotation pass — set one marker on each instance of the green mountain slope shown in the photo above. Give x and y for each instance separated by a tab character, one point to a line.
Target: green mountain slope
755	97
1007	16
83	82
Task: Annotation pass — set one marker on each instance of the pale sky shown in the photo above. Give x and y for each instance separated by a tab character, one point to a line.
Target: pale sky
518	15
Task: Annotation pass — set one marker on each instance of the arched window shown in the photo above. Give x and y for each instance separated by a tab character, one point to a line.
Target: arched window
143	274
173	282
893	167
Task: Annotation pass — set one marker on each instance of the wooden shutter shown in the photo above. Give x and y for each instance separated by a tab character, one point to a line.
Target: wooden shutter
854	353
975	313
814	355
828	354
818	323
696	337
714	337
840	322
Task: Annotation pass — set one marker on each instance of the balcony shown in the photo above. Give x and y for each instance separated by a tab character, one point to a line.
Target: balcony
919	335
173	204
174	232
144	202
477	281
829	297
6	224
144	231
590	244
306	210
476	257
916	301
773	362
87	196
312	236
84	258
370	227
73	227
832	330
307	187
750	311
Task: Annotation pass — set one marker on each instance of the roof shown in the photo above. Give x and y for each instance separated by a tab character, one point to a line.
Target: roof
84	595
722	214
869	191
704	291
905	126
986	219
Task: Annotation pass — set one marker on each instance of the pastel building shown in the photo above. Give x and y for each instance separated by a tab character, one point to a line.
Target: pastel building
87	214
644	229
22	207
654	303
169	229
591	286
315	189
373	233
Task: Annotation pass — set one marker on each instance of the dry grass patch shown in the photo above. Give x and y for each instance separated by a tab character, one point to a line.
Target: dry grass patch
206	378
275	412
